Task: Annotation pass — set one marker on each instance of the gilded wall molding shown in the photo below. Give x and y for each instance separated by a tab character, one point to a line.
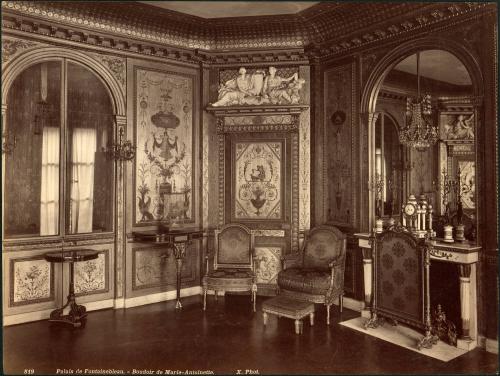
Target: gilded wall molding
221	176
305	171
295	193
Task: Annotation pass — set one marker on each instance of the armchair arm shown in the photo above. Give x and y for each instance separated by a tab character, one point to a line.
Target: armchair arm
291	259
336	265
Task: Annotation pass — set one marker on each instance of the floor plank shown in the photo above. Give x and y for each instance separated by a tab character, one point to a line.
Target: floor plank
224	339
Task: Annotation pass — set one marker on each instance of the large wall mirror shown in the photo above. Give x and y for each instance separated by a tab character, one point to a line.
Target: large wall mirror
57	178
445	171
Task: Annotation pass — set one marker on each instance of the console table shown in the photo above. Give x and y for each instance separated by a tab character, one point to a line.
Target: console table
174	240
465	255
77	312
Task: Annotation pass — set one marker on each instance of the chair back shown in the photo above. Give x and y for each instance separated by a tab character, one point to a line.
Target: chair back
399	278
234	247
322	245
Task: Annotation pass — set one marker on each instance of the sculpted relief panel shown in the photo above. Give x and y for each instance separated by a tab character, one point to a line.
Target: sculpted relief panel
259	87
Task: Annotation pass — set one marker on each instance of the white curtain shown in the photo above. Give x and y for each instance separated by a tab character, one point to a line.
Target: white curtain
82	180
49	200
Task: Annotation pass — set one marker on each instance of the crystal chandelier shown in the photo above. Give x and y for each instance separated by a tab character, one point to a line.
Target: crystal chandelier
418	132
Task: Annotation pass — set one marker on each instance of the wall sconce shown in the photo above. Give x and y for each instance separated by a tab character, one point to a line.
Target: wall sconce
377	184
122	151
446	186
8	146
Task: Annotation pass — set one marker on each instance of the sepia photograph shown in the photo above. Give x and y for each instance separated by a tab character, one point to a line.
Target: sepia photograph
249	188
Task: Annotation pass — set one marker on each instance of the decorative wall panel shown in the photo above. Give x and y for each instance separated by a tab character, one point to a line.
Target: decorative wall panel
339	145
163	120
257	183
468	183
92	276
304	171
267	264
32	281
150	268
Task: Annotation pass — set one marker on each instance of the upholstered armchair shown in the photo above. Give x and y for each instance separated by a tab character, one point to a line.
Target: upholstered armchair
316	273
233	268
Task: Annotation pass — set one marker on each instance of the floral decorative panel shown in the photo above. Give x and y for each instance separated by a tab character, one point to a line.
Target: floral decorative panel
90	276
31	281
257	170
267	264
468	183
151	268
164	139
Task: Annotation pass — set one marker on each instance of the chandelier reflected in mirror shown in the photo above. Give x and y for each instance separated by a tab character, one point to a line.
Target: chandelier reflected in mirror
418	132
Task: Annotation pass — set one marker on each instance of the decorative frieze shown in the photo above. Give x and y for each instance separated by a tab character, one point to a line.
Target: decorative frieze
273	38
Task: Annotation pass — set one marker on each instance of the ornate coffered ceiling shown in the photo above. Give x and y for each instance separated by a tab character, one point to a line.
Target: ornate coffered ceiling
327	29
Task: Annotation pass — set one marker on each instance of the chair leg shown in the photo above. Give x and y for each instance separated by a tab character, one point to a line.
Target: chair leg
297	326
204	299
328	314
341	302
311	318
264	318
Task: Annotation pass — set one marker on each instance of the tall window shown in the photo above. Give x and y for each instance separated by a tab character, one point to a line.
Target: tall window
57	179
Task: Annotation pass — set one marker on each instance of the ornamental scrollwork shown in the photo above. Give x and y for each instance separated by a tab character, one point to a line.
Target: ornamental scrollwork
440	254
11	47
116	65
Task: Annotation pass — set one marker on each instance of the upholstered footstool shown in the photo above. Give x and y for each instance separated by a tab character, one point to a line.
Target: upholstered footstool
290	308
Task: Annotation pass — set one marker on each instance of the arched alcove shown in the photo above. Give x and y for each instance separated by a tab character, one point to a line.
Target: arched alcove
376	79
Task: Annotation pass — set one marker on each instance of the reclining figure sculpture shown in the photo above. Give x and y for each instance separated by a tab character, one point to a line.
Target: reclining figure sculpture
259	88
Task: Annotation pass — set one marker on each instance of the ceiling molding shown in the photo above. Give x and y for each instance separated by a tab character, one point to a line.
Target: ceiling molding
325	30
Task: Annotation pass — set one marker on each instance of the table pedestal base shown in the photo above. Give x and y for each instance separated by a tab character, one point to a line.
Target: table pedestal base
77	313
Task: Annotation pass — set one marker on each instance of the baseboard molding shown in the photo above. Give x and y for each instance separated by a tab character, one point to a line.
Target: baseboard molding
119	303
353	304
160	297
45	314
491	345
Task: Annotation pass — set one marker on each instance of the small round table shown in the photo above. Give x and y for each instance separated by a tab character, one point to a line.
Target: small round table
77	312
